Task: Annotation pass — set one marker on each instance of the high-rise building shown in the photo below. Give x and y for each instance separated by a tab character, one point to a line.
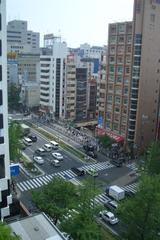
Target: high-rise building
145	82
133	76
20	39
52	78
5	196
70	88
118	78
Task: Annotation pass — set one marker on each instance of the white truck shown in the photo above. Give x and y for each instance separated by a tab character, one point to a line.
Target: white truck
116	192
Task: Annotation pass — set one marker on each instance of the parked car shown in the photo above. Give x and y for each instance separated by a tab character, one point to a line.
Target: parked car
58	156
113	205
40	151
33	138
77	171
108	217
27	141
48	147
38	159
117	162
91	154
93	172
55	162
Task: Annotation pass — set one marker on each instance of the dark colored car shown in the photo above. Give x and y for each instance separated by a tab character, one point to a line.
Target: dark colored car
77	171
33	138
117	162
112	205
91	154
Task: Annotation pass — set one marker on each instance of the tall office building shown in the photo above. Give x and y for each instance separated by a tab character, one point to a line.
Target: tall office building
52	77
133	75
119	60
70	88
5	196
145	81
20	39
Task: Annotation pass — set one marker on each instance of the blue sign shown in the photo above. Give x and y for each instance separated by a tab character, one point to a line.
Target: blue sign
100	121
14	169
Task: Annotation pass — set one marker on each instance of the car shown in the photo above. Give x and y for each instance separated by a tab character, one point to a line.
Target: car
93	172
32	137
108	217
117	162
55	162
48	147
58	156
77	171
38	159
113	205
91	154
40	151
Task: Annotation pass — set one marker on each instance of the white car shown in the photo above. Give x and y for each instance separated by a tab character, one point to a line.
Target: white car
55	163
108	217
38	159
58	156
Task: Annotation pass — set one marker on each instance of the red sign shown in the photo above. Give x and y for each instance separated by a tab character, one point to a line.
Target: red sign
102	132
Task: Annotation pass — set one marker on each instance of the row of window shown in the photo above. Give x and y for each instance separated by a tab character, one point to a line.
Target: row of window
120	59
120	49
121	39
117	99
120	69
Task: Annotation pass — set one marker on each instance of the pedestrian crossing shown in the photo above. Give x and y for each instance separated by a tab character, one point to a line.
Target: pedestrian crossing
131	187
98	166
132	166
43	180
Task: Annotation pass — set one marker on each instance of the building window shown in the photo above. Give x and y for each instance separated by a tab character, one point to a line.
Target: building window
112	50
109	98
129	38
127	70
129	49
125	90
118	79
117	100
0	47
119	59
120	49
119	69
111	69
1	121
2	167
112	39
0	22
0	72
121	28
152	17
1	101
121	39
125	101
112	59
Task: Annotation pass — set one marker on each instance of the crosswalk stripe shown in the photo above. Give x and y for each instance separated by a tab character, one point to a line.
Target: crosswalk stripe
37	183
31	180
49	177
19	186
28	182
43	180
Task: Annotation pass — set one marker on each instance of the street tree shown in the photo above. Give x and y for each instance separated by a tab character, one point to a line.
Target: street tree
55	198
82	221
6	233
15	146
140	214
153	159
13	96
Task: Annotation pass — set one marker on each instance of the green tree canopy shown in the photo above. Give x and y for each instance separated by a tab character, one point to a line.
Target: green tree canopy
6	233
56	198
140	215
13	96
82	223
153	159
15	146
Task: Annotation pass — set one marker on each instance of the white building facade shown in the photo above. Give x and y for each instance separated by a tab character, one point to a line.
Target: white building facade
52	79
5	196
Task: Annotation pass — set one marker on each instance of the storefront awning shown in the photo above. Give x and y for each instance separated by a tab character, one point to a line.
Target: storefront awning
111	134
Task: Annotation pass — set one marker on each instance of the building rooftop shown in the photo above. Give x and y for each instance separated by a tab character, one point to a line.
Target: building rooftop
37	227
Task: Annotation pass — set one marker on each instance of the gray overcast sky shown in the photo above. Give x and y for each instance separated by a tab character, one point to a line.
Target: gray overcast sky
79	21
